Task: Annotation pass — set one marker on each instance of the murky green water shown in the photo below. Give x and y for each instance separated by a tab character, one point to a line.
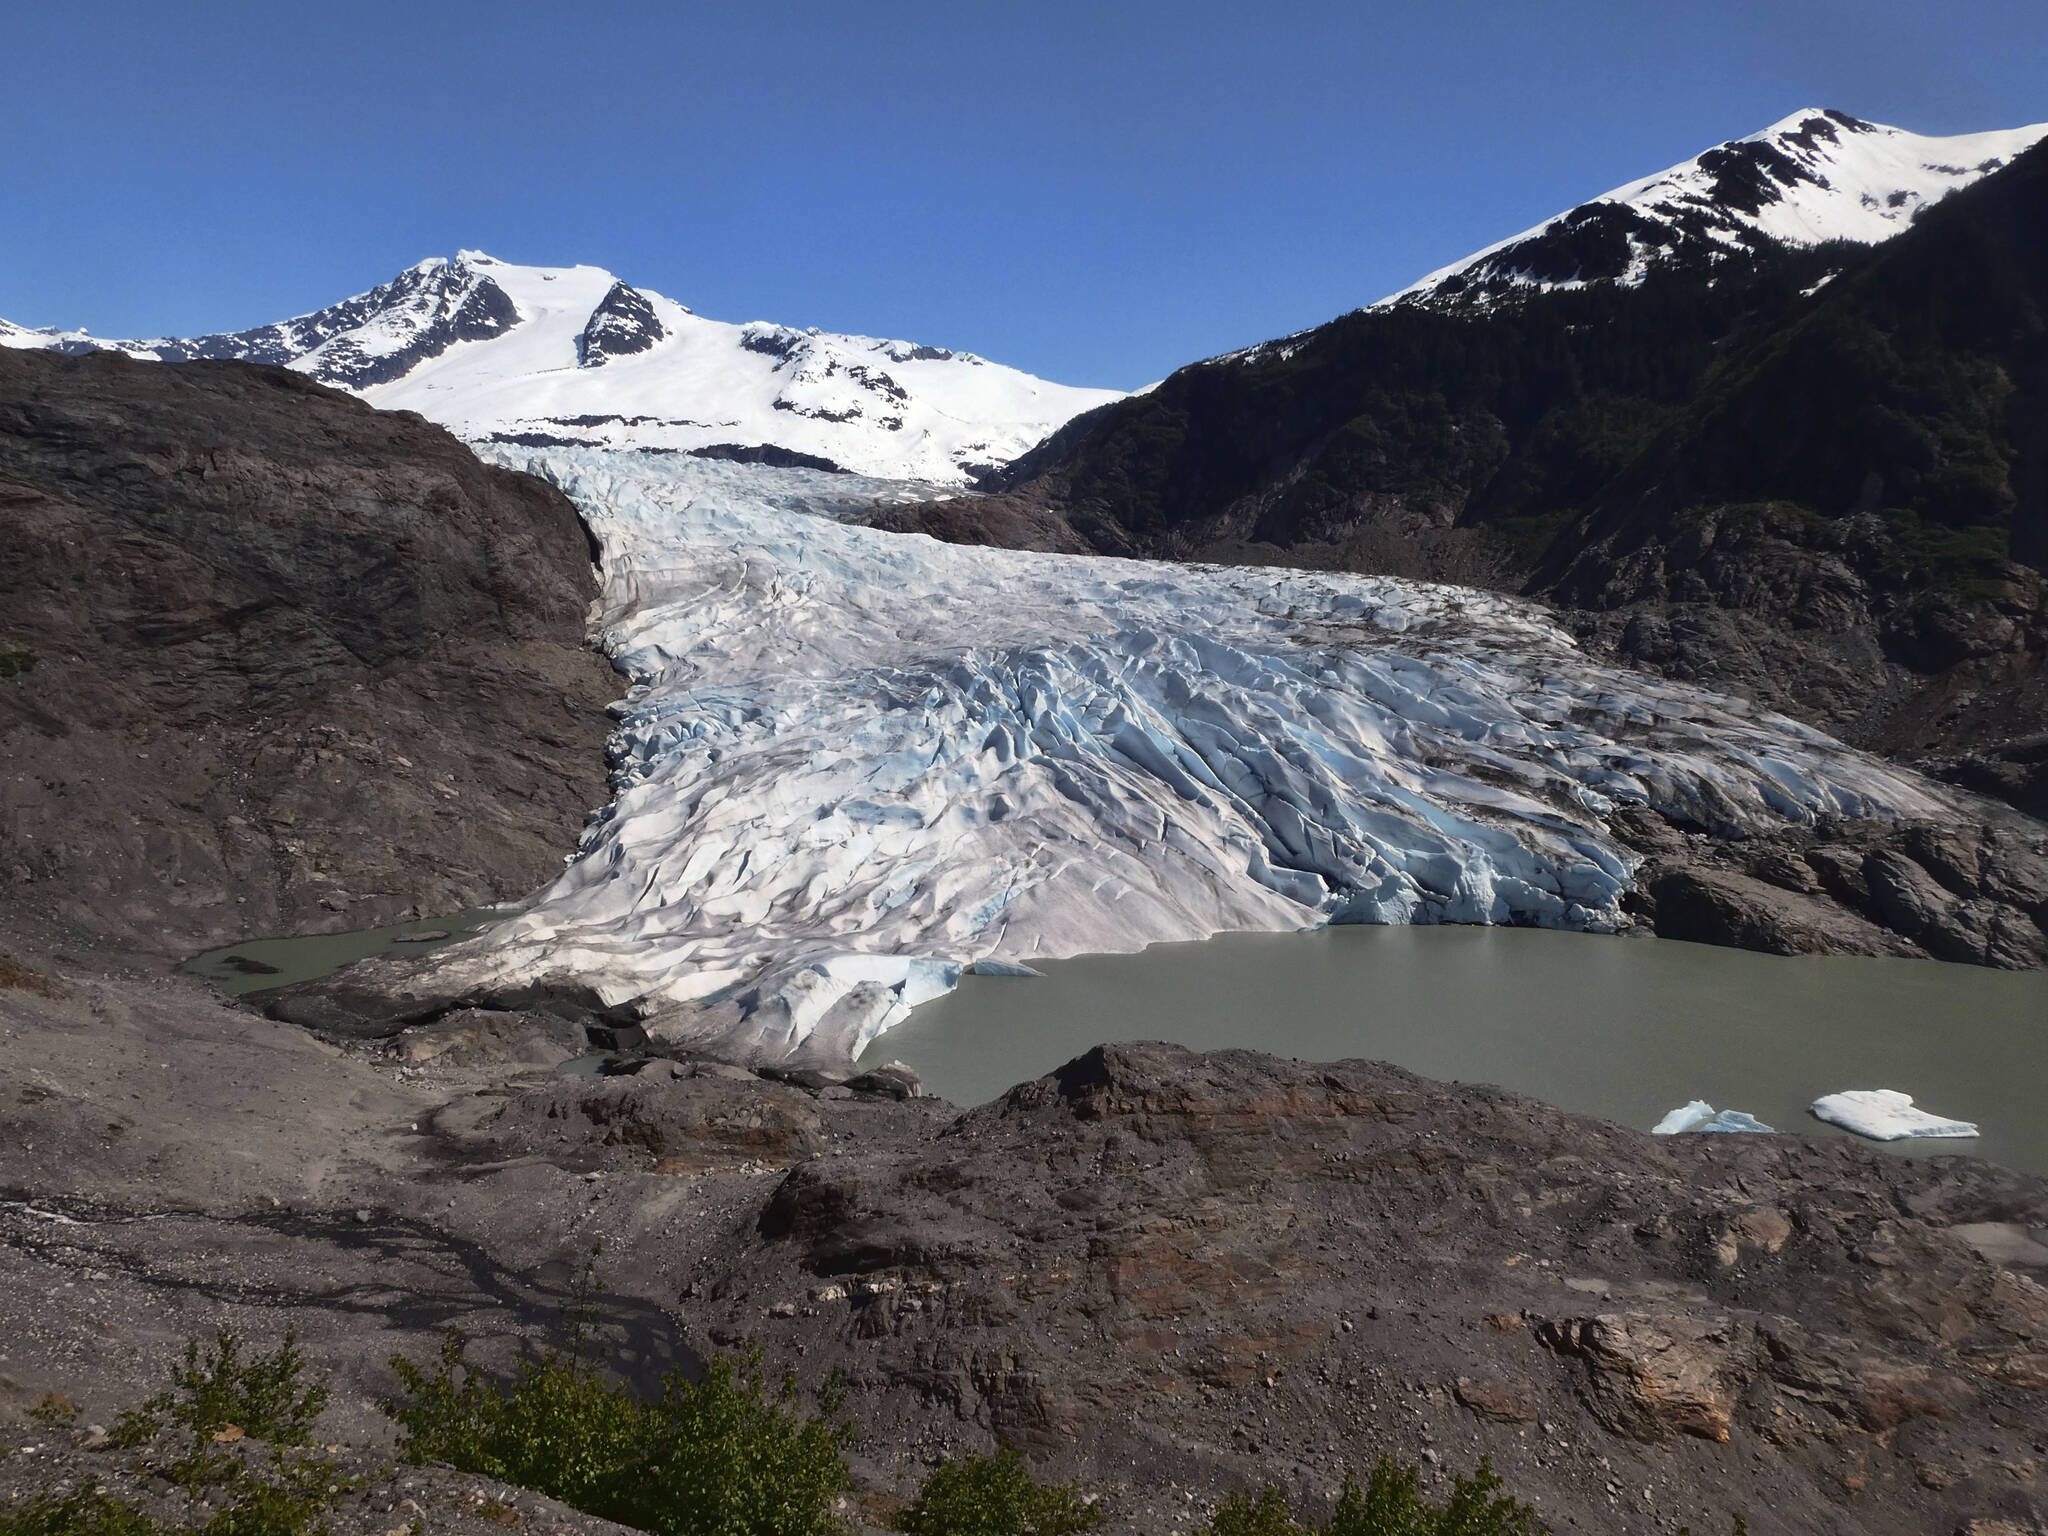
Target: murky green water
255	964
1622	1028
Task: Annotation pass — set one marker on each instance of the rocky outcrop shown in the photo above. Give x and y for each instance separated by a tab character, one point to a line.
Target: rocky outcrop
1974	893
1170	1275
2015	771
623	323
1826	621
280	662
1651	1374
1175	1271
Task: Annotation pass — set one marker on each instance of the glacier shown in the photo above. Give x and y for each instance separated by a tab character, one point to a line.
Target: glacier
852	763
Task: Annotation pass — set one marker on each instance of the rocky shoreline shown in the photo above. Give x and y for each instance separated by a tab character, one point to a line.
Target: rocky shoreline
1164	1274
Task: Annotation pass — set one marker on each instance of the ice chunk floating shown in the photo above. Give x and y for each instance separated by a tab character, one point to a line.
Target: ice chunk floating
1884	1114
852	763
1699	1115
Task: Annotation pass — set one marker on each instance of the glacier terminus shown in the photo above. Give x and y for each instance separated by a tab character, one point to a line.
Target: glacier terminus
854	763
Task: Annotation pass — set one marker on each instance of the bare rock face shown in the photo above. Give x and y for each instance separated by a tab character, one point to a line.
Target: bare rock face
1164	1270
1974	893
684	1130
1650	1374
278	661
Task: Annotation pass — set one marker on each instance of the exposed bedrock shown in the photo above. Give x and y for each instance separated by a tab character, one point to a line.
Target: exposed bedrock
1168	1274
1159	1268
1963	890
277	661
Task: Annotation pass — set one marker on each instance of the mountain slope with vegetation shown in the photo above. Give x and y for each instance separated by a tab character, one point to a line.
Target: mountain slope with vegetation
1812	474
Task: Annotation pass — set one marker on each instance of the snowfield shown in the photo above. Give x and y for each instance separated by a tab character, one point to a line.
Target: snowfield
1809	178
871	406
572	356
853	763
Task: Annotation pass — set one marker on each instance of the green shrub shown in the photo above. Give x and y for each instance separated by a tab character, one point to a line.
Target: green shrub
288	1504
1390	1504
263	1397
215	1401
82	1512
1267	1515
713	1458
15	663
995	1496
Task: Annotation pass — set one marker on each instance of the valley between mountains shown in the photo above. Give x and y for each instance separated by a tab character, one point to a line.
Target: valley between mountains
1672	569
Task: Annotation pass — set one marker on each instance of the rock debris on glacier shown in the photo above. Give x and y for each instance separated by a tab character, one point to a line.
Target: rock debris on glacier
853	762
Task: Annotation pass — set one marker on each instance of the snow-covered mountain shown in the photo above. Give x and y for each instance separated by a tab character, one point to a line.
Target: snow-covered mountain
1818	175
572	356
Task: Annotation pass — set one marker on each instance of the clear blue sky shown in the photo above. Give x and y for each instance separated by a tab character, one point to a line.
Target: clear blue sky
1096	192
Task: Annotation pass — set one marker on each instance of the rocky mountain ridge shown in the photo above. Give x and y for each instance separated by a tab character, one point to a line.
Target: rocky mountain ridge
1811	475
1815	177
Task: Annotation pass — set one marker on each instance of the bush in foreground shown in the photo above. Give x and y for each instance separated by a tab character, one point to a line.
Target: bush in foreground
995	1496
711	1458
1390	1504
82	1512
265	1397
217	1400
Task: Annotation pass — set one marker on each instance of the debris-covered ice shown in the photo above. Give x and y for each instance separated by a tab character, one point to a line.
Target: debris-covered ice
1883	1114
852	763
1699	1115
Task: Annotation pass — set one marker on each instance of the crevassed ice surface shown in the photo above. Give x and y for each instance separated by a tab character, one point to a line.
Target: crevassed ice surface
852	762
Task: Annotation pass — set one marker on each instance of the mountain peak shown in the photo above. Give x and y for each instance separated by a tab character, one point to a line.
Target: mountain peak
1814	176
576	357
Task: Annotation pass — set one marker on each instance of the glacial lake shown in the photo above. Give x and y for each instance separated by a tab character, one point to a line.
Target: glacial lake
1622	1028
255	964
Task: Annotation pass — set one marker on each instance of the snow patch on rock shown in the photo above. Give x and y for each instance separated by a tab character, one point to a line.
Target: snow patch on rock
1812	177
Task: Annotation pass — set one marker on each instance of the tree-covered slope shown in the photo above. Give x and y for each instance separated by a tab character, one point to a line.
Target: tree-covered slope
1407	417
1843	445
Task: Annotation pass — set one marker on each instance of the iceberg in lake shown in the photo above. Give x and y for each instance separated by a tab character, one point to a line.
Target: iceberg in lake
1699	1115
1883	1114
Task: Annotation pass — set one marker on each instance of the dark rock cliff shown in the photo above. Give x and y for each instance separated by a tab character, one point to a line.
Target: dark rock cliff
277	661
1812	477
